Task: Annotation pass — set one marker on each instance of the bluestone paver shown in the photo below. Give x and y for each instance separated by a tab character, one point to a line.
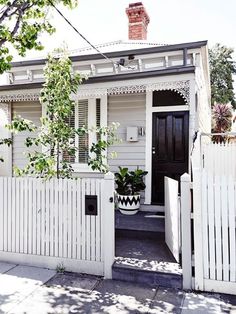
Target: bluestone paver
19	282
121	297
4	267
202	304
167	300
27	290
64	293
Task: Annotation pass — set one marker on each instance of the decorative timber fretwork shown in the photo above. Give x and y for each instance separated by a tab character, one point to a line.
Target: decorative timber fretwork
181	87
89	93
128	89
19	96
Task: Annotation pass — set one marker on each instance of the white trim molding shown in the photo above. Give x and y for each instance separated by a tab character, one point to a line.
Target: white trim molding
182	87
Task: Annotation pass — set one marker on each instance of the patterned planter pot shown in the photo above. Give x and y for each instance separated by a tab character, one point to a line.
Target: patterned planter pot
128	204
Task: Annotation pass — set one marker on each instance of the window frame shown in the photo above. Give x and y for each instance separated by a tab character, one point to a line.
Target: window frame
92	121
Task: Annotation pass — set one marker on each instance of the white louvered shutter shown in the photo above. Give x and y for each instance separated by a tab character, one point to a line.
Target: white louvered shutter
98	116
83	140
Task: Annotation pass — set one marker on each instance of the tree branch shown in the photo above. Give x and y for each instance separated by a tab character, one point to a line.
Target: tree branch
22	9
8	9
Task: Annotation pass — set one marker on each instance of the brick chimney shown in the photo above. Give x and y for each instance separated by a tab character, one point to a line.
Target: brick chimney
138	21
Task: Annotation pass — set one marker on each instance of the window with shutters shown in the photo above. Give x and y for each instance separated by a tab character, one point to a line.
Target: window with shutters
87	113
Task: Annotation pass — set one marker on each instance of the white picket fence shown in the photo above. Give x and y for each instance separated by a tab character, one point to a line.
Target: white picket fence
213	210
218	226
219	159
44	223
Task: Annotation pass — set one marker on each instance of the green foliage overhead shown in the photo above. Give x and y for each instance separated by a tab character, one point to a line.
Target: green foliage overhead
21	24
222	68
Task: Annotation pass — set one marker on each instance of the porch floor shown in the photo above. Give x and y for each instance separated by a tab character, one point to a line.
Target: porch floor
141	252
145	254
142	221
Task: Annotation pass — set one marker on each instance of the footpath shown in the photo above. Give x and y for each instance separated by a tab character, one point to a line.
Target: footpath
27	290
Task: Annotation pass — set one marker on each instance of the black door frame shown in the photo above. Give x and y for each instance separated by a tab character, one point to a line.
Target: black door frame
152	136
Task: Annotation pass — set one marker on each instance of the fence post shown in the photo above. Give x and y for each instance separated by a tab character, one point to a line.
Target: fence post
108	224
186	231
197	213
197	216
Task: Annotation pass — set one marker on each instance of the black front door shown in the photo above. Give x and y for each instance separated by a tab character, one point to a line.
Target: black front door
169	149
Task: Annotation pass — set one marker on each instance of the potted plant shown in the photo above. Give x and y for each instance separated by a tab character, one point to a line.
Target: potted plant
129	184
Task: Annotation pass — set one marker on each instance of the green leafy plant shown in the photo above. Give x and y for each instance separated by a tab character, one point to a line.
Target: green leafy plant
5	141
130	182
137	181
122	180
106	137
60	269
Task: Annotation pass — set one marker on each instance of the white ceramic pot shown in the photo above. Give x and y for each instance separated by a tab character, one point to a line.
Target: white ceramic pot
128	204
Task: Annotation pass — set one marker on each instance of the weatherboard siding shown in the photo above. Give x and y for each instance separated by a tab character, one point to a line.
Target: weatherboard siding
128	110
27	110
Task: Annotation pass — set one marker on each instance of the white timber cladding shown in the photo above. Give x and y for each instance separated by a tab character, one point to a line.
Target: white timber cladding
33	112
128	110
5	151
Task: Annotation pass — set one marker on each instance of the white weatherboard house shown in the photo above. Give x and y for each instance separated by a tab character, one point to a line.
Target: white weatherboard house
160	97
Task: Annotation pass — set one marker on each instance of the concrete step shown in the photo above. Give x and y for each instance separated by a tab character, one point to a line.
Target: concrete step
164	274
146	260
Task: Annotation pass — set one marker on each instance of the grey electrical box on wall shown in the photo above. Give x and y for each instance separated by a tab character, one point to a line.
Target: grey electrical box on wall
132	134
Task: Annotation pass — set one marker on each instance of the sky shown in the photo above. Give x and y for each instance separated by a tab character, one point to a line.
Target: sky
171	21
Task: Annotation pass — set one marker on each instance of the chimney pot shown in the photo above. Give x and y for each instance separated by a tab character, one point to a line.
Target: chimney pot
138	21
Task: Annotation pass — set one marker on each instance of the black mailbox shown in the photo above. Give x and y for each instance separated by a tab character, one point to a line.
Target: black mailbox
91	207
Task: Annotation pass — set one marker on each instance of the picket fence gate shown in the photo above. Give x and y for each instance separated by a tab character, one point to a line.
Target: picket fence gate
44	223
210	202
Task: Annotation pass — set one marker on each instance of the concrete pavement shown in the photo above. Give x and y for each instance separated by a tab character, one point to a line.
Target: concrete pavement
35	290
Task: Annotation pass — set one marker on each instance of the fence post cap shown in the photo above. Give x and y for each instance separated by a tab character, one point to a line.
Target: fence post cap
185	177
109	176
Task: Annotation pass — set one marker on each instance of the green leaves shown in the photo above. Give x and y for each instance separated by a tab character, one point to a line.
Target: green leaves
21	25
222	67
130	182
5	141
19	124
106	137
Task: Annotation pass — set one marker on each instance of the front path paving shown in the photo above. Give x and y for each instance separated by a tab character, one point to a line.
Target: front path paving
36	290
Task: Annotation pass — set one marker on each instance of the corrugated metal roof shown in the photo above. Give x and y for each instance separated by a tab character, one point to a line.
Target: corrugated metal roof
119	45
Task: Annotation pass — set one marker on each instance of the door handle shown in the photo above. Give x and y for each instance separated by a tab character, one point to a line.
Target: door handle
153	150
